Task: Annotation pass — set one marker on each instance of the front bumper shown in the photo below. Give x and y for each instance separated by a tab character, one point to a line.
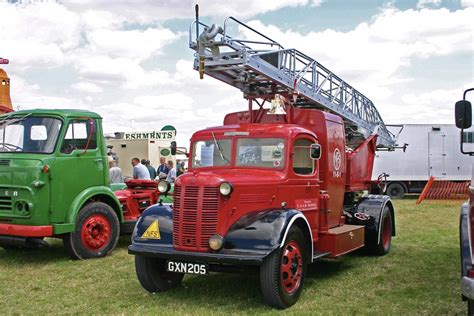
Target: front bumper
467	287
26	231
241	258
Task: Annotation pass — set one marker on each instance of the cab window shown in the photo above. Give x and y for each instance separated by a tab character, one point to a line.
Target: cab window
302	162
261	152
79	132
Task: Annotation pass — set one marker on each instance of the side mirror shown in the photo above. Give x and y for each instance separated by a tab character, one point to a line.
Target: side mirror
173	148
315	151
463	114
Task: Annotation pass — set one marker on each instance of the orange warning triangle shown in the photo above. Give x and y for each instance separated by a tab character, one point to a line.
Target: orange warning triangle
153	231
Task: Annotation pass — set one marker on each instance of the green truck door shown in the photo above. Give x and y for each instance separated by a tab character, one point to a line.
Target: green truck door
75	168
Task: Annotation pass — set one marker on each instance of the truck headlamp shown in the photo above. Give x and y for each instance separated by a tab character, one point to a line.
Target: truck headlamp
216	241
164	186
225	188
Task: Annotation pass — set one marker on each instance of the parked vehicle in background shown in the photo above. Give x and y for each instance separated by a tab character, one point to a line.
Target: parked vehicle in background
463	116
54	182
428	150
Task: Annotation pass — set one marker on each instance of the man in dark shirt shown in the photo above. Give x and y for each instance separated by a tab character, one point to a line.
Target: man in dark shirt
151	170
163	169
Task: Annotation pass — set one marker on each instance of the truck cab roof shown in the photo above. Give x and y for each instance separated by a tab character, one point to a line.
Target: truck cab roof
67	113
254	129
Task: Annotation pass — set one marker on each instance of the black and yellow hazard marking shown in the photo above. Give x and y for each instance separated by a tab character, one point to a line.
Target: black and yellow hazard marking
153	231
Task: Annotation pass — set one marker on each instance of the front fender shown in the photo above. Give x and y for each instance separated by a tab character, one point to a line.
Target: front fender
98	191
465	240
264	231
256	234
164	215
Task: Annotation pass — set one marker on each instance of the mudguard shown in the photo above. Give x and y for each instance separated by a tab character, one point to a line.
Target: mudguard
248	240
164	215
465	240
87	194
373	205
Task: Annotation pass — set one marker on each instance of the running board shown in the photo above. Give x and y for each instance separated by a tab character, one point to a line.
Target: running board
318	255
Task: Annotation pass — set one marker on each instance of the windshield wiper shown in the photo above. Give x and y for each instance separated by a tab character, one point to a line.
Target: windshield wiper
219	147
6	121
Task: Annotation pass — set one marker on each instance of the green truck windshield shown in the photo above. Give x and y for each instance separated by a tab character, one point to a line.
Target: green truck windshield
32	134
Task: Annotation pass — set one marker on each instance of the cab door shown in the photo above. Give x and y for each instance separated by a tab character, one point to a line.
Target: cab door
78	166
304	179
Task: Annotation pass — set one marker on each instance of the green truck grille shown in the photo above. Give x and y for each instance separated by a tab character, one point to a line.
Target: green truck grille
6	203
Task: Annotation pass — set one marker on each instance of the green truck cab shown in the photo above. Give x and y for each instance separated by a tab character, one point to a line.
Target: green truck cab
54	182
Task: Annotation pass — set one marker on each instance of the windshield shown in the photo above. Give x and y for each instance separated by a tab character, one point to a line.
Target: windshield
32	134
212	153
261	152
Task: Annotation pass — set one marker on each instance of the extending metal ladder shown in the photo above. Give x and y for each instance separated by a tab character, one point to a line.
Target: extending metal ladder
259	66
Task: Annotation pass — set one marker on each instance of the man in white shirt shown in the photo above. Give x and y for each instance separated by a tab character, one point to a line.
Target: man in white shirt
171	177
115	173
139	170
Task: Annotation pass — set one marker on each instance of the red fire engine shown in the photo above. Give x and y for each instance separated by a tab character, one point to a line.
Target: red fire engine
275	187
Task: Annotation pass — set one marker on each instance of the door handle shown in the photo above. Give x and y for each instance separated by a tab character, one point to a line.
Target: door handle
98	160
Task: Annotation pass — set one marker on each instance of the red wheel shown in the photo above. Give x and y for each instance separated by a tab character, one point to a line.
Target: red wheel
386	234
291	267
283	271
381	246
96	234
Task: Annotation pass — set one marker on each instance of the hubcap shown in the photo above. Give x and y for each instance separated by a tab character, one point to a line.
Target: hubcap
291	268
95	232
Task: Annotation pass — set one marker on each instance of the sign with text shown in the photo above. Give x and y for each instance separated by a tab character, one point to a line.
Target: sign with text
167	133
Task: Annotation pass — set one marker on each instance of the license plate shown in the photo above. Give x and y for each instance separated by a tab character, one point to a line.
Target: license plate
187	267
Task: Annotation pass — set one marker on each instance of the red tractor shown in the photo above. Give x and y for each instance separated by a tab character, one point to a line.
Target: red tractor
274	188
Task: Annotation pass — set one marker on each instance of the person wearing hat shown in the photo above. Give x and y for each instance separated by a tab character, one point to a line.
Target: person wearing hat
115	173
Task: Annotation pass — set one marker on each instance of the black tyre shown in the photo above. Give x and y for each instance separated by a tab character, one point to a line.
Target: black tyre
283	272
152	274
396	190
470	307
10	247
96	234
382	246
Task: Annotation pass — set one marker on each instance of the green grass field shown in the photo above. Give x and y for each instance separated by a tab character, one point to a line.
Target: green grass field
419	276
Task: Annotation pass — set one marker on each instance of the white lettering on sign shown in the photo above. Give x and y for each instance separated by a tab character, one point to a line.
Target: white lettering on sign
183	267
306	204
337	161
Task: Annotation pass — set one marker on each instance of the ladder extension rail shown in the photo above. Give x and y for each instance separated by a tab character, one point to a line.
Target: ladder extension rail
293	71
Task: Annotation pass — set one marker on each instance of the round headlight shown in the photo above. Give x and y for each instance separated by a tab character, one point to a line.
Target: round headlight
225	188
216	241
163	186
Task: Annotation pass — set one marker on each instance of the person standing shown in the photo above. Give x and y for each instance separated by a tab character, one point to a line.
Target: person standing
115	173
139	170
179	168
171	177
163	169
151	170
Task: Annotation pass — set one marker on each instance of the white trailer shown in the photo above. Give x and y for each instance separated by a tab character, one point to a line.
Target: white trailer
432	150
